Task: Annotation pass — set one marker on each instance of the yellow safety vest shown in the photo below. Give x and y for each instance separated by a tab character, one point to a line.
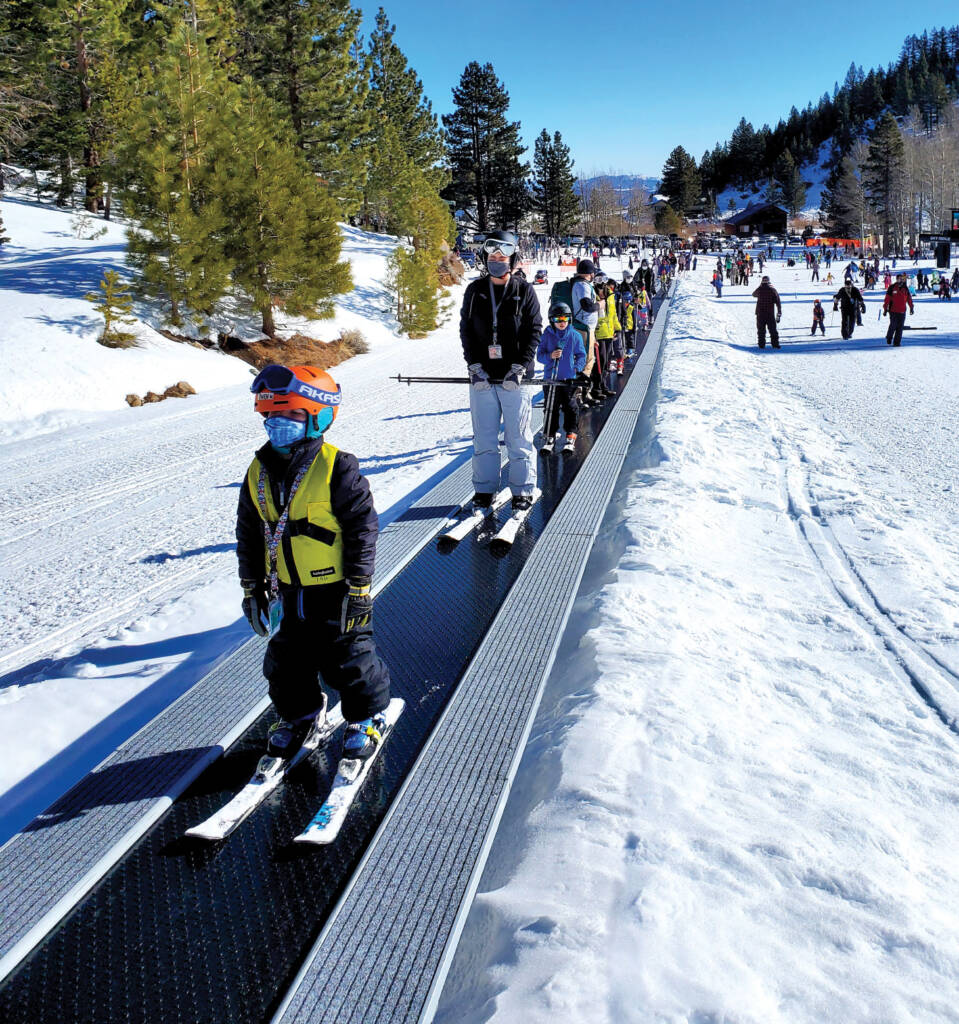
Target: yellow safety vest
313	531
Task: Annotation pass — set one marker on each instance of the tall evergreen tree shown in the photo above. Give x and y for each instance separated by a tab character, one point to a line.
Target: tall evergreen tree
792	189
282	236
681	181
884	180
176	158
552	187
305	55
484	150
843	200
405	140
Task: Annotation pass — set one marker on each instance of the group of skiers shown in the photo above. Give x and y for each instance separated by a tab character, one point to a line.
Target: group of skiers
848	301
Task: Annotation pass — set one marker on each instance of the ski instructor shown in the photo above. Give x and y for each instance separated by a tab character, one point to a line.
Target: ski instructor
500	326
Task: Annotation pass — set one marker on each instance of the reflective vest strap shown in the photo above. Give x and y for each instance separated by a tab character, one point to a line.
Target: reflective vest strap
304	528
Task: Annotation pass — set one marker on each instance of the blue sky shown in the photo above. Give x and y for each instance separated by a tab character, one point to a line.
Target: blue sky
626	86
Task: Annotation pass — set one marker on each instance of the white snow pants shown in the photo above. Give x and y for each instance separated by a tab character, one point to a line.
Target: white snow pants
515	409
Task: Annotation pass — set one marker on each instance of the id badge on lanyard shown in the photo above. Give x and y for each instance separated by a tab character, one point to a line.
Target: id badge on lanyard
273	538
496	349
275	614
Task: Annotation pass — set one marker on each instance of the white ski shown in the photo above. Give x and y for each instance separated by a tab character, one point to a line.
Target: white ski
464	527
507	532
350	776
270	772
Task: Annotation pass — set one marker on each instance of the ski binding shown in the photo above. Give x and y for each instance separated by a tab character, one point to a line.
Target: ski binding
270	772
506	534
464	527
350	776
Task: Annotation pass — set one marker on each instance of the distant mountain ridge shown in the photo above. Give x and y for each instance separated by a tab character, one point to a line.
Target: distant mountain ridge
623	182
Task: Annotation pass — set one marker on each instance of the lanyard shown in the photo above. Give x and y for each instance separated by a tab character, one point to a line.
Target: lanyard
494	305
273	537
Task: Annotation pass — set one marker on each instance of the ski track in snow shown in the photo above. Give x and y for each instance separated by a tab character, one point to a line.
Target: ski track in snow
752	816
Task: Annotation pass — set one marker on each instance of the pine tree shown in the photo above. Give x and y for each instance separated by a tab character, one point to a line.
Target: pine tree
884	180
792	189
485	150
305	55
681	181
282	236
176	159
843	200
114	304
552	187
405	139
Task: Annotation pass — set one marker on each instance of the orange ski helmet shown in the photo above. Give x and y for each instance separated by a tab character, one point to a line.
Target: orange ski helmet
279	388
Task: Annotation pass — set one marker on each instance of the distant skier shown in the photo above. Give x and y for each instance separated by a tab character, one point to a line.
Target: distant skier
894	306
306	535
853	306
769	309
818	317
500	325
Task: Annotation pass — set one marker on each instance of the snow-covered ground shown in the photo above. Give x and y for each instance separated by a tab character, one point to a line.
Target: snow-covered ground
739	801
117	544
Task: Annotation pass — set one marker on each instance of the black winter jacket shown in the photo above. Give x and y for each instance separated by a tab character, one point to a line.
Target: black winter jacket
645	275
349	495
851	301
519	325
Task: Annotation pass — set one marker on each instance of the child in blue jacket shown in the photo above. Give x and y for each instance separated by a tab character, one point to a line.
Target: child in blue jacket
561	345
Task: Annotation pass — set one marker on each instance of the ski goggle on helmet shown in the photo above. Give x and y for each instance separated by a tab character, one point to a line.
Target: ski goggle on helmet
280	389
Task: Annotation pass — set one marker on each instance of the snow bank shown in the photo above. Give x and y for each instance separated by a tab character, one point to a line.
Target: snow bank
738	802
48	334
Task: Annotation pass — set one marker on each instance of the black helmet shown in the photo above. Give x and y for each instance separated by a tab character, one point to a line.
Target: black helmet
560	309
585	267
509	249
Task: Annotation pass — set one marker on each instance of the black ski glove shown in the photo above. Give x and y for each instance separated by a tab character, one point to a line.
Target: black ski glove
256	603
357	607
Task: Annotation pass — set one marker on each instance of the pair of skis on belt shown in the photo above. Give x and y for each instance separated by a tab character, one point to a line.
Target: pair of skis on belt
473	516
271	771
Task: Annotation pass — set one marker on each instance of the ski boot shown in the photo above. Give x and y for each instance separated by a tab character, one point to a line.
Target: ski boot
482	500
362	738
521	502
547	446
570	445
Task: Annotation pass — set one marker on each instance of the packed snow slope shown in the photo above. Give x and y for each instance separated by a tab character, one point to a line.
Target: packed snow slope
739	801
117	544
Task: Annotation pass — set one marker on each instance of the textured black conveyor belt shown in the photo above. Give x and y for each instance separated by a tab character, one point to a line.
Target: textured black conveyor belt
181	931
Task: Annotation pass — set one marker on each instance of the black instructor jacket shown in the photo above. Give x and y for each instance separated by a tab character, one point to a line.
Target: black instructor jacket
519	325
349	495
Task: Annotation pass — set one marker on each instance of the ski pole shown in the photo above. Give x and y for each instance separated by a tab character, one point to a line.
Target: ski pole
532	382
549	403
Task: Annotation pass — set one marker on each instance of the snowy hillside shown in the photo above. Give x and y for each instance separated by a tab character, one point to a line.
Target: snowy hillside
814	174
48	330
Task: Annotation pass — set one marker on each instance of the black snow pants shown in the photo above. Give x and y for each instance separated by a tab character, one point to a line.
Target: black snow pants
567	402
896	322
848	322
762	322
309	646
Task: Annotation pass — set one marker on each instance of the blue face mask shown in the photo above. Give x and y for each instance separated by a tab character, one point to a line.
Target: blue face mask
284	432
